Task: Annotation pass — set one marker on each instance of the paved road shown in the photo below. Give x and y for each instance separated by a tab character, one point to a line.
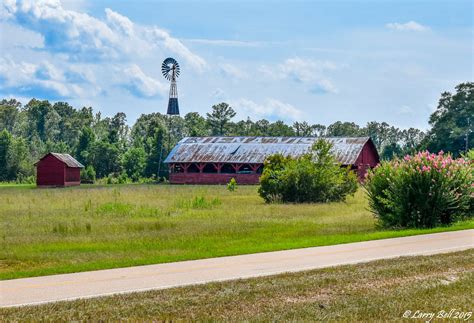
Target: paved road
28	291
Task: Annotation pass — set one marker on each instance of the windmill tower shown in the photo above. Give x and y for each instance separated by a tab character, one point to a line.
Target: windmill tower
170	70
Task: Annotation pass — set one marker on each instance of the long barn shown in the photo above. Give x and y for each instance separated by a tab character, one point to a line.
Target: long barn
215	160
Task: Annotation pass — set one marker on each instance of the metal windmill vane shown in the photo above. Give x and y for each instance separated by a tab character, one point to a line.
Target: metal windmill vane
170	70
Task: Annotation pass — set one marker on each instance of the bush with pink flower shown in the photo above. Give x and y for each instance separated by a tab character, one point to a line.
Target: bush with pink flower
421	191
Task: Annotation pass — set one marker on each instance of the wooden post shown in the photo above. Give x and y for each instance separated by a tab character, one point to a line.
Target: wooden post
218	167
185	167
201	166
236	167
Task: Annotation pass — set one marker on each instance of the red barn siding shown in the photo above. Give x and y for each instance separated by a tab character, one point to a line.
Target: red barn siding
50	172
212	178
368	158
73	176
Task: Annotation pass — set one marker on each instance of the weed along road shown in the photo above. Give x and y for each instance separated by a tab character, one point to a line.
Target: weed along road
29	291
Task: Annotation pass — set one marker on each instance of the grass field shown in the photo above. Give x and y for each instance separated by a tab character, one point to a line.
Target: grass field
377	291
50	231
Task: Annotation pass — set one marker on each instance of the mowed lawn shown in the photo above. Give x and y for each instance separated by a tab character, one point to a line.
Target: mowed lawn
50	231
385	290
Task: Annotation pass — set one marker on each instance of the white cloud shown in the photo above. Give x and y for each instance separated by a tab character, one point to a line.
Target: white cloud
310	72
160	36
14	36
305	70
271	108
84	37
119	22
324	86
27	76
224	42
408	26
232	71
141	84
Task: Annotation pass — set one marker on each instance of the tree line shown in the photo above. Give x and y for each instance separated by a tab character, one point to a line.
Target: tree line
109	147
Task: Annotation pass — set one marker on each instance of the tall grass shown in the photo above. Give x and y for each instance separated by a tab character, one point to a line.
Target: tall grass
48	231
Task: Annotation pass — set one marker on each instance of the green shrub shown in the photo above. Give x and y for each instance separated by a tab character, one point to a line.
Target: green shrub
88	175
469	155
198	202
313	177
232	185
421	191
118	178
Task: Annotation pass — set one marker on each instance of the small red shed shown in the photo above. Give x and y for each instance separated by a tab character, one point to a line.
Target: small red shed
58	170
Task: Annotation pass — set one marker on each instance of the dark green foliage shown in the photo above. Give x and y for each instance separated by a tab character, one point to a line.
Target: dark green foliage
84	146
421	191
88	175
453	121
196	125
313	177
134	162
9	114
219	118
5	144
105	158
343	129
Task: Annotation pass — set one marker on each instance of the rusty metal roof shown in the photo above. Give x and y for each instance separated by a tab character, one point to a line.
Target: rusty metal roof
256	149
65	158
68	160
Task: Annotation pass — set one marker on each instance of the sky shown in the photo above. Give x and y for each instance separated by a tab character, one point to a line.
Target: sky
314	61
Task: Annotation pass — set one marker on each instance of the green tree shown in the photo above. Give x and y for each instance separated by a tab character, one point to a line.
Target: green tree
453	122
9	112
118	128
195	125
343	129
279	128
84	146
20	163
302	129
134	163
261	128
150	131
391	151
318	130
412	139
5	146
379	132
36	115
219	118
105	158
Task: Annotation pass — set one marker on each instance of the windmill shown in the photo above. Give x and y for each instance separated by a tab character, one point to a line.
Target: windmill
170	70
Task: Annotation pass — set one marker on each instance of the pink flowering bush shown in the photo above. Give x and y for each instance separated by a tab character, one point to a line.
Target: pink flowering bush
421	191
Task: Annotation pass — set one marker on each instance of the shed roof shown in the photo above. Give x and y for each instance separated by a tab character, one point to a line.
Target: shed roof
256	149
65	158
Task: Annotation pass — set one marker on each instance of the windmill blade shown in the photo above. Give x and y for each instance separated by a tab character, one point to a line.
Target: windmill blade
168	66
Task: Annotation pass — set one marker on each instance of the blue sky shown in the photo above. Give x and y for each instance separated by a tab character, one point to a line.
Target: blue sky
315	61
